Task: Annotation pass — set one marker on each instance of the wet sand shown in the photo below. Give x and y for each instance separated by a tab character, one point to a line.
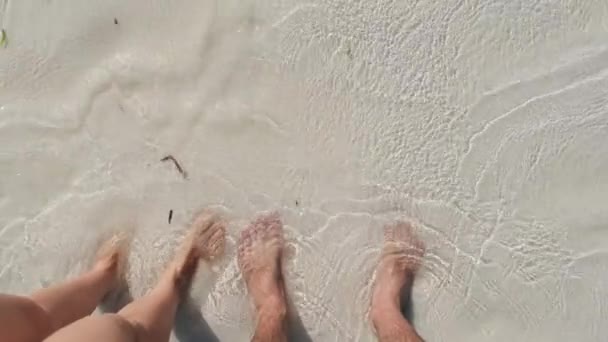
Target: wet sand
485	124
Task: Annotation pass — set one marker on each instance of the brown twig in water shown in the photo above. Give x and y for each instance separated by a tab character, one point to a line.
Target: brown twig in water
177	166
170	216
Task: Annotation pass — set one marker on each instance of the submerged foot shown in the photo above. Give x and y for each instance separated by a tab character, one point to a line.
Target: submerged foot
259	257
112	257
400	259
206	240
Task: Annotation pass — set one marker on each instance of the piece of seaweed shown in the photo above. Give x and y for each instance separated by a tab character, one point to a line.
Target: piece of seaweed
177	165
3	39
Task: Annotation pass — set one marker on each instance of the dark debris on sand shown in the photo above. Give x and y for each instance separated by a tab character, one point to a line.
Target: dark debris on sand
177	165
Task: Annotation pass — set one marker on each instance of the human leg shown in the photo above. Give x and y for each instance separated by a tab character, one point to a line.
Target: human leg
35	317
400	259
150	318
259	257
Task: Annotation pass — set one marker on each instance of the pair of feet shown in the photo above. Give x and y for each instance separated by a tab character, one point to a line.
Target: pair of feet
260	251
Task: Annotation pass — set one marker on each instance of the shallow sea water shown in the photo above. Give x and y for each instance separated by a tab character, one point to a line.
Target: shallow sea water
483	122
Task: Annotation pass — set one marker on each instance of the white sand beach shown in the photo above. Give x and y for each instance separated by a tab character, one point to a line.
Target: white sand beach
485	123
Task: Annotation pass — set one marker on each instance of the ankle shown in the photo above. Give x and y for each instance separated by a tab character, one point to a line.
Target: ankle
270	325
272	306
390	325
380	311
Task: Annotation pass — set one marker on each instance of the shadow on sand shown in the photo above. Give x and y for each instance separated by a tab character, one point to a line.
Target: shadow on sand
407	305
295	328
190	326
116	299
189	323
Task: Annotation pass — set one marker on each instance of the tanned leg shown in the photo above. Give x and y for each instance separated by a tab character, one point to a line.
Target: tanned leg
151	317
45	311
259	257
400	259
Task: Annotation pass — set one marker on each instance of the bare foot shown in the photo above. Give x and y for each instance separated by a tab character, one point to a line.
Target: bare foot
401	257
208	235
206	240
112	256
259	257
